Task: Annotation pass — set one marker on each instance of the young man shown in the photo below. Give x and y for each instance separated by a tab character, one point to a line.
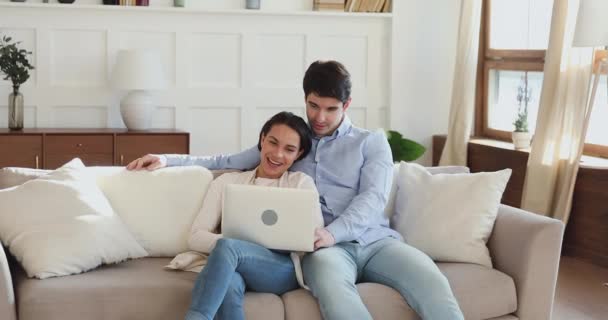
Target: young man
353	171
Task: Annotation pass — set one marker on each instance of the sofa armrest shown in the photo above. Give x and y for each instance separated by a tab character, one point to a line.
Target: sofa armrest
527	247
7	295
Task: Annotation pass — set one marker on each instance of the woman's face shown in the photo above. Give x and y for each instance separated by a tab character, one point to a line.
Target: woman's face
280	148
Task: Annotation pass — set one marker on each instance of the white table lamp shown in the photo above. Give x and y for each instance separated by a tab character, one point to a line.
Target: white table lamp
592	31
139	71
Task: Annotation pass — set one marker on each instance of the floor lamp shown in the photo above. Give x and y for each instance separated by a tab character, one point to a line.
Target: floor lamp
592	31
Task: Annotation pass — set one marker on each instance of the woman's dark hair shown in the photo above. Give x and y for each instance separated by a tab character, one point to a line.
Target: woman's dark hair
294	122
327	79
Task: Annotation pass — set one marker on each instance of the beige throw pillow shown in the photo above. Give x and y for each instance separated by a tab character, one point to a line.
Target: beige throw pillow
61	224
448	216
158	206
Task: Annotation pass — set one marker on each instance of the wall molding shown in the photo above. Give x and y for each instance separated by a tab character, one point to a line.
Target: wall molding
238	63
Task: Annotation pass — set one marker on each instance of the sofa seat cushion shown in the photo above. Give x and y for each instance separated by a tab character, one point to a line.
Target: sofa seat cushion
482	293
136	289
381	301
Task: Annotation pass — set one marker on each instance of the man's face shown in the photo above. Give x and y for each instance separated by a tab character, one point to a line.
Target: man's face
324	114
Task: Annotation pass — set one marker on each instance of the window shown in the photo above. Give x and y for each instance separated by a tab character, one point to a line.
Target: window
515	36
597	135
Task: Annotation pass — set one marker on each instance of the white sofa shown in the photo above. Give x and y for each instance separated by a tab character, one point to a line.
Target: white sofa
525	250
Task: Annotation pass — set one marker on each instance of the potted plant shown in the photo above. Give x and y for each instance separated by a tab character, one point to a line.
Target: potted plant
404	149
15	67
521	136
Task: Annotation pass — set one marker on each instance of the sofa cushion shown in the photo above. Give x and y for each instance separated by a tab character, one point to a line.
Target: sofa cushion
14	176
381	301
448	216
158	207
62	224
389	210
136	289
481	292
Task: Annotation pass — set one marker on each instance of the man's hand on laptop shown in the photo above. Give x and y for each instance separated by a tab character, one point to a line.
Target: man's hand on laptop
149	162
323	238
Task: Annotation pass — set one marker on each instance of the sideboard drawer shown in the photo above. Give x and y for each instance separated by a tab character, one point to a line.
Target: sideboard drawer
132	146
21	151
54	161
50	148
78	144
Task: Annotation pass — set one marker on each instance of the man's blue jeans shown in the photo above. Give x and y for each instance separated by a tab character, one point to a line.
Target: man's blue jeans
332	273
233	266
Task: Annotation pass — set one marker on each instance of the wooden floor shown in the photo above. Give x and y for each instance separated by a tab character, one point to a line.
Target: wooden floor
581	291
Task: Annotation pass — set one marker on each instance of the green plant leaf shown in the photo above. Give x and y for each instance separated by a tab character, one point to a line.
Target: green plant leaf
404	149
13	62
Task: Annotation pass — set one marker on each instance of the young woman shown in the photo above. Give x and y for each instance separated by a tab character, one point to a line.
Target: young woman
235	265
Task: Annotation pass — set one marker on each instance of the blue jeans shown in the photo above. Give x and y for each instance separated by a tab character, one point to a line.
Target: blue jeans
332	273
233	266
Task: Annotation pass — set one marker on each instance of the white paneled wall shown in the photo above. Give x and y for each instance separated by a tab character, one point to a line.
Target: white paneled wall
229	70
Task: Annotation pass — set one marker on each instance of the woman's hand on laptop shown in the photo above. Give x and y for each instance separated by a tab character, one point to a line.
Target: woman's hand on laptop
323	238
149	162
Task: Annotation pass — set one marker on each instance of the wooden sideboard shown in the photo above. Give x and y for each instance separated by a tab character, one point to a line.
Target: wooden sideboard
51	148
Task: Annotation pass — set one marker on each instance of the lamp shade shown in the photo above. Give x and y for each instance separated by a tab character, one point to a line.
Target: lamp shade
591	24
138	70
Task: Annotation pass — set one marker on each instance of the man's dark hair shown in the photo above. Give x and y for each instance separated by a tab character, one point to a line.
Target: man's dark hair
327	79
294	122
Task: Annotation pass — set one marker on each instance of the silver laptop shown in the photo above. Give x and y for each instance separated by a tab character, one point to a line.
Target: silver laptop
276	218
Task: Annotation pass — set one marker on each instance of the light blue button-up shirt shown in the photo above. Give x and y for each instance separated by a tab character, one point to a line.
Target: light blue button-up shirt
353	172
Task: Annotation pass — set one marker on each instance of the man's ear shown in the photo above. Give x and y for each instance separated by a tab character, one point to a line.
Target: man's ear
346	104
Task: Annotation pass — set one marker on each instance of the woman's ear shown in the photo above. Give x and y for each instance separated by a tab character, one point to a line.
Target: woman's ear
300	153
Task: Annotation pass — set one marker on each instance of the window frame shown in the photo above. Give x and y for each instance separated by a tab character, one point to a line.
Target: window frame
511	60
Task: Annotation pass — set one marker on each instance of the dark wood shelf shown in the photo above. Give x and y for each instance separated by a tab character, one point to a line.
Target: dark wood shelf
49	148
88	130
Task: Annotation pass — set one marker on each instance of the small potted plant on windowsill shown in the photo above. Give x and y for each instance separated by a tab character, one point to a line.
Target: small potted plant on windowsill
521	136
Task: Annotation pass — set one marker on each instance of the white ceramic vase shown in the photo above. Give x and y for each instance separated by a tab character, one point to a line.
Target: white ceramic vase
136	110
521	140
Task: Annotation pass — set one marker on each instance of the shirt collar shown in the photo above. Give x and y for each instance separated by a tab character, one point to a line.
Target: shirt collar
342	129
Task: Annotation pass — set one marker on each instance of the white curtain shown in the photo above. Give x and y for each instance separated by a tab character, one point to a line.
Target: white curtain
562	119
462	106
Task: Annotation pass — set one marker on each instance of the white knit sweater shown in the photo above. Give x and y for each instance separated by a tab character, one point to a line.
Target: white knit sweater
205	229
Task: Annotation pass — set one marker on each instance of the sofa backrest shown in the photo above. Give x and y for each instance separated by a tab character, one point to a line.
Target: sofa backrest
10	177
157	207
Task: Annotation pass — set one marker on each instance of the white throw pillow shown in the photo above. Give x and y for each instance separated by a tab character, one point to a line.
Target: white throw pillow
448	216
61	224
389	210
14	176
158	206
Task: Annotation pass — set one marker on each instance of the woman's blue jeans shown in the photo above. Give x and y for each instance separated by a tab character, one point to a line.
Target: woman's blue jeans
234	266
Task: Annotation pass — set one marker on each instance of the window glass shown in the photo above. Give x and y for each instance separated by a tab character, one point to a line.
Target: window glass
520	24
510	92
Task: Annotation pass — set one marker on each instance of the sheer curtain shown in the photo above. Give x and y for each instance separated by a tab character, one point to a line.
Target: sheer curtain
462	106
554	158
